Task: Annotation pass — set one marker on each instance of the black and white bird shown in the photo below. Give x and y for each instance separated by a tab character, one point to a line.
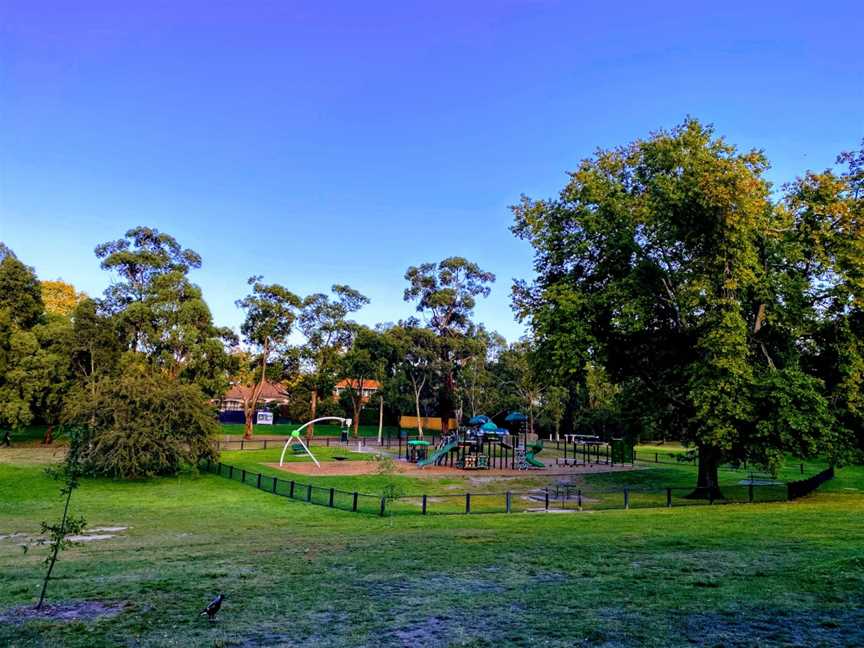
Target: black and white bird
213	608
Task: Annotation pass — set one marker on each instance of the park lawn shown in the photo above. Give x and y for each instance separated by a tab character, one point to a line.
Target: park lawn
302	575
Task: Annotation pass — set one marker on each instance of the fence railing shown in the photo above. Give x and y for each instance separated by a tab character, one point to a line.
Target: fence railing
558	498
804	487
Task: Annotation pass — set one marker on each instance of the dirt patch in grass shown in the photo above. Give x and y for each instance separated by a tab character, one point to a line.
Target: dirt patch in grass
65	611
777	628
352	468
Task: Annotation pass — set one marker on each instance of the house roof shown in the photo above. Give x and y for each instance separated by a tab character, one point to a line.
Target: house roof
270	391
347	383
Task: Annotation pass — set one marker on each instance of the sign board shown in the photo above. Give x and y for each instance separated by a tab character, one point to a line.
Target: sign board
264	418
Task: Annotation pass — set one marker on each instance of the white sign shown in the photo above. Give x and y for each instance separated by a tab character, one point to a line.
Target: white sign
264	418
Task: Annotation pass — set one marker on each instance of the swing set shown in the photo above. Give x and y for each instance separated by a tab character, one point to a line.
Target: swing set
296	440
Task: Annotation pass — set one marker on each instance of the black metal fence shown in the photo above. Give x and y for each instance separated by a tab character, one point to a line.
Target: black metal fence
804	487
552	499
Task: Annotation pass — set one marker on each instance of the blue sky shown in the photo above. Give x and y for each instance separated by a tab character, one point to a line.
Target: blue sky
319	143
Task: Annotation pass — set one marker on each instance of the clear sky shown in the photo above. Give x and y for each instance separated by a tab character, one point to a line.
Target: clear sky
340	142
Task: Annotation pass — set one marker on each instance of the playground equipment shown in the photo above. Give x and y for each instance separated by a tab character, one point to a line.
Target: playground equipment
418	450
484	445
296	441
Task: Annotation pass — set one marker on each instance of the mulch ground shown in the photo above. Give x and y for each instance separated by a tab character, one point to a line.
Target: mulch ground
351	468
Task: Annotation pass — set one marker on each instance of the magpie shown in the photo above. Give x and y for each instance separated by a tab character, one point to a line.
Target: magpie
213	608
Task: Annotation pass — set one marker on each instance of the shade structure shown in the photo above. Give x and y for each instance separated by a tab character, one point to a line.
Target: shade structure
480	419
515	417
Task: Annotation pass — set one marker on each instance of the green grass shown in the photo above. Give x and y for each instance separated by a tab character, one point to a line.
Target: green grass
302	575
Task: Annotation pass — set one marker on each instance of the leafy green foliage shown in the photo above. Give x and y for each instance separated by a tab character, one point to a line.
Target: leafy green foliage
142	423
665	262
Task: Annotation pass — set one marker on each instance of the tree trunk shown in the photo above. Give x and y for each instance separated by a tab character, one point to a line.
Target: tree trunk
380	419
49	435
310	431
417	410
445	403
249	415
707	479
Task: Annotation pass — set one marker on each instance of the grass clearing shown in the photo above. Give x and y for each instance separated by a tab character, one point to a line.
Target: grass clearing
302	575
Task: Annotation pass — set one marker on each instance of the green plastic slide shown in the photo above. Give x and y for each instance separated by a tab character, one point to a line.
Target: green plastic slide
438	454
530	456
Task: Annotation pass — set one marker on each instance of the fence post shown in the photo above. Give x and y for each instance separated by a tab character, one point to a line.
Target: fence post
656	457
275	480
383	505
508	502
626	498
258	485
579	499
354	503
467	502
330	502
242	444
424	505
309	493
750	493
230	472
547	498
668	498
291	490
243	476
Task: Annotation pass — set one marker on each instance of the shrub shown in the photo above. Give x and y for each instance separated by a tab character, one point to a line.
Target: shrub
142	423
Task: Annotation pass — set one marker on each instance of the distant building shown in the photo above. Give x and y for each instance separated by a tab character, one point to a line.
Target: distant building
236	395
369	387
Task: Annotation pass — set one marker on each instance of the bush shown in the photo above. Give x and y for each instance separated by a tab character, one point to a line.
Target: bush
142	424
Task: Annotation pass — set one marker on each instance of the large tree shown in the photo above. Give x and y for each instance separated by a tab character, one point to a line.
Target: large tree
446	293
663	260
34	351
160	312
328	330
271	310
411	368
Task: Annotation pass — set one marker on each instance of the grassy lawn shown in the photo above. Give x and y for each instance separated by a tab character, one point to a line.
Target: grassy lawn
302	575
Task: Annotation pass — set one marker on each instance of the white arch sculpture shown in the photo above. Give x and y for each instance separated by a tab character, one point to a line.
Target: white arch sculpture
295	436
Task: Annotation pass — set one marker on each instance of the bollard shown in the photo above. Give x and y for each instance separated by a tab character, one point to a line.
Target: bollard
668	498
467	502
424	505
507	500
330	502
626	498
354	503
